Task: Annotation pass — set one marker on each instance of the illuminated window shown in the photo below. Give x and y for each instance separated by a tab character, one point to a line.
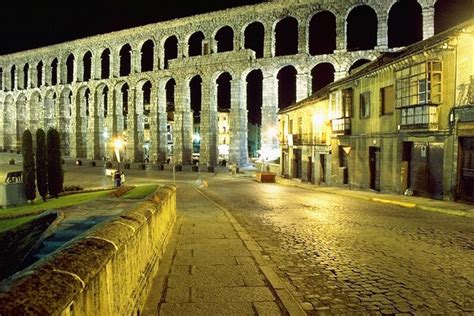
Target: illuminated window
386	100
419	84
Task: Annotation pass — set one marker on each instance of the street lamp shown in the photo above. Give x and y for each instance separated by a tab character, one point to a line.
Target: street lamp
118	144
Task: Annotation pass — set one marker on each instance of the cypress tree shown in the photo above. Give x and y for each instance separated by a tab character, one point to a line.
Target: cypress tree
28	166
41	168
55	171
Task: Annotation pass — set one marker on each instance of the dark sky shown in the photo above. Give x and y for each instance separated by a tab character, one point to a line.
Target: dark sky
48	22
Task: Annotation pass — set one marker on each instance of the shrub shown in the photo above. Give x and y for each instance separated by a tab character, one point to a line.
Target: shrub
73	188
121	191
41	167
92	163
11	161
55	171
126	165
28	166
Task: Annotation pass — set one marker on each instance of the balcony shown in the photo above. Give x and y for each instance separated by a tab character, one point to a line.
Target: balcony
306	139
419	118
341	126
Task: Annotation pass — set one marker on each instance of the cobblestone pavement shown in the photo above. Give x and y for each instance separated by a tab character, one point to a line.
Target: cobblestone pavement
344	256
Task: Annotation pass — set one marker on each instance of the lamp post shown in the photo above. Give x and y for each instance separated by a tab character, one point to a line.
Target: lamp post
118	144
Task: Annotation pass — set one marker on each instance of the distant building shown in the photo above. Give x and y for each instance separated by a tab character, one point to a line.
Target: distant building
402	122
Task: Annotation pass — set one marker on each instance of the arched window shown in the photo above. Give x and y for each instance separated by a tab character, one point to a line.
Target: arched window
124	91
70	68
125	60
171	49
322	75
87	66
225	39
286	37
254	96
88	101
1	78
286	86
322	33
147	56
223	91
39	74
361	28
195	44
105	64
26	74
405	23
254	37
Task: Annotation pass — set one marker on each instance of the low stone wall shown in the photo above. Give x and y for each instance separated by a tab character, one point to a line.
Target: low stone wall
107	272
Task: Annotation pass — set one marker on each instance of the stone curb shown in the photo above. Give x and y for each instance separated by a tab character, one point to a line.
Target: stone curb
286	298
386	201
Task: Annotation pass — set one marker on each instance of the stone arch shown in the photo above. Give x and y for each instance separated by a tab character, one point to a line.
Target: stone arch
26	76
195	42
361	28
170	92
254	37
125	56
322	74
405	23
87	66
1	78
286	86
54	71
9	120
70	75
82	112
49	109
286	36
102	97
105	64
356	64
223	88
65	116
21	118
254	95
147	54
170	49
12	78
39	74
322	33
224	39
35	111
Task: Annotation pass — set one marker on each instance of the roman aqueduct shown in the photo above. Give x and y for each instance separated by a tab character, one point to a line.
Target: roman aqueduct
95	88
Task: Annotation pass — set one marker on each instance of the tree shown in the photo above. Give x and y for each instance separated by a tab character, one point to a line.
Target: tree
28	166
55	170
41	167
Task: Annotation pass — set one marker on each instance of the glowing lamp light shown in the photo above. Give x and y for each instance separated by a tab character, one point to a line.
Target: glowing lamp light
118	144
318	120
272	132
196	138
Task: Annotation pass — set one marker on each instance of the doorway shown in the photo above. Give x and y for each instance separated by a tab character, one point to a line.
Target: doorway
374	164
322	168
466	169
310	169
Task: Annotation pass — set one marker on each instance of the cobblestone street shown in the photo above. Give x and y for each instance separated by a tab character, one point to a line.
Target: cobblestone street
341	255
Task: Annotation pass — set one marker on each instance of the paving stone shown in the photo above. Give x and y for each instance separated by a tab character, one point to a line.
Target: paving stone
231	294
207	309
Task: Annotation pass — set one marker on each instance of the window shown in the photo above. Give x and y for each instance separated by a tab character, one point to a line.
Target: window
347	102
386	100
364	103
340	104
419	84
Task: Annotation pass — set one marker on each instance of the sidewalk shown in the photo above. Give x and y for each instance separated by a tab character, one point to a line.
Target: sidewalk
427	204
213	267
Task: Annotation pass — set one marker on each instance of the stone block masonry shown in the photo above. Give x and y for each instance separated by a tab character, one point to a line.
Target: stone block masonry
107	271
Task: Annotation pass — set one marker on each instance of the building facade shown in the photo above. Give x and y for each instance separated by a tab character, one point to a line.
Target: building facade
122	84
403	123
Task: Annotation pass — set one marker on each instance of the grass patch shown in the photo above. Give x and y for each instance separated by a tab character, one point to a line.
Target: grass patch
39	206
140	192
7	224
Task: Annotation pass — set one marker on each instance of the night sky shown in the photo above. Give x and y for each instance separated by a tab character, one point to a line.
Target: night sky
49	22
